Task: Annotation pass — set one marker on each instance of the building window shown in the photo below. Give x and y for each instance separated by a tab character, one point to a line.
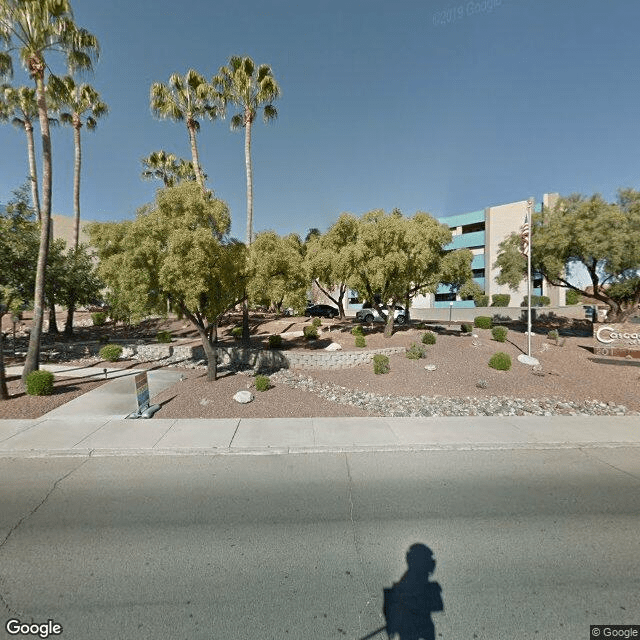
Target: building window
478	273
470	228
445	297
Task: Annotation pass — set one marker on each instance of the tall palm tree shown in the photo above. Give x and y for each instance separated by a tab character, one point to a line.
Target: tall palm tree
160	165
250	89
186	99
33	29
19	104
83	107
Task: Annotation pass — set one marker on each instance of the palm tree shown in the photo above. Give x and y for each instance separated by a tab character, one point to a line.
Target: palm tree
19	104
160	165
34	28
186	99
83	103
249	89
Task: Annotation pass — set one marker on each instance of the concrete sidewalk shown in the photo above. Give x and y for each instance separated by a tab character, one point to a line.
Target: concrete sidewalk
94	424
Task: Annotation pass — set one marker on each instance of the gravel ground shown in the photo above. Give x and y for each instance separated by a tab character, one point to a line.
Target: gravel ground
570	380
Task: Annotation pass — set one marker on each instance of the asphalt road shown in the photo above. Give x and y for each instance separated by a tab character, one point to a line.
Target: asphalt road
527	544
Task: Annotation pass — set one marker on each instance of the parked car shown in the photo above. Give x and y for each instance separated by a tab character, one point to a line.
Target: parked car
322	310
369	314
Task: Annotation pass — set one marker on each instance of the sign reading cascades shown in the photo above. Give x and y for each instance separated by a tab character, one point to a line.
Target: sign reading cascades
617	339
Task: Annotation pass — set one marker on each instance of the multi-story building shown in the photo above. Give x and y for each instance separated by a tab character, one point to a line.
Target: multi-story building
482	232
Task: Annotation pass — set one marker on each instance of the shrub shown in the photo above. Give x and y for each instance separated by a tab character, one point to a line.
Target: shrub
415	352
236	332
553	334
572	297
428	337
357	330
310	333
275	342
40	383
262	383
381	364
360	341
163	336
466	328
482	322
500	361
499	334
536	301
316	322
98	318
500	300
481	301
111	352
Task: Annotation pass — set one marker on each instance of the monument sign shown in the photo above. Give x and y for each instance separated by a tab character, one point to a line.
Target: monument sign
617	339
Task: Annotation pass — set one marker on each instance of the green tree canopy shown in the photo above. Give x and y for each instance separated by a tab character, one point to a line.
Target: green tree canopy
603	237
176	250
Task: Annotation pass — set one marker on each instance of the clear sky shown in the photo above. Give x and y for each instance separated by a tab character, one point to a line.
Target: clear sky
444	106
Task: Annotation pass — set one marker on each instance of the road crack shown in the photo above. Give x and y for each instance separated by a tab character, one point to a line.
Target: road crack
26	517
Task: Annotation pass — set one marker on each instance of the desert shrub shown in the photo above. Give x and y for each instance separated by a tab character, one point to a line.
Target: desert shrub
536	301
481	300
311	332
357	330
163	336
482	322
415	352
500	300
572	297
40	383
236	332
466	328
262	383
98	318
381	364
111	352
553	334
360	341
275	342
500	361
482	384
499	334
316	322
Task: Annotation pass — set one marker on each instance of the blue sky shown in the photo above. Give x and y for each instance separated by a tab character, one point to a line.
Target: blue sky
440	106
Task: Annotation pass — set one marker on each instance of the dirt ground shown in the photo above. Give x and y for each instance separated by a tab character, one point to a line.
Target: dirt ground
569	370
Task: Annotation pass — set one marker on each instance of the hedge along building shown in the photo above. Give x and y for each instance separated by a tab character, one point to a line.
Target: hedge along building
482	232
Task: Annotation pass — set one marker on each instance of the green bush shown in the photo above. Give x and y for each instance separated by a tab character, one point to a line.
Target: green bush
163	336
98	318
40	383
111	352
572	297
381	364
262	383
310	333
500	300
316	322
466	328
360	341
499	334
481	301
275	342
429	338
553	334
500	361
482	322
357	330
536	301
236	332
415	352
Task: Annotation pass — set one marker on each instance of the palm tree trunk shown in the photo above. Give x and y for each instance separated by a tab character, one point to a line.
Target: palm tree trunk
247	161
32	168
195	157
32	360
76	184
53	323
4	393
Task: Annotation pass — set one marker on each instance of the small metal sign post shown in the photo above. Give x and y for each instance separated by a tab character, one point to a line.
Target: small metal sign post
142	396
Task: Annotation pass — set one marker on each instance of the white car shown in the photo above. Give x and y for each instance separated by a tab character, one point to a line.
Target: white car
369	314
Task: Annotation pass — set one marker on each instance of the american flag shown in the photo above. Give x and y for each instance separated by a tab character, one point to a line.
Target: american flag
524	238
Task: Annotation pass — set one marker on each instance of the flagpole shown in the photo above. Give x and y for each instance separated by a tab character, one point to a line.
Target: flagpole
530	202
